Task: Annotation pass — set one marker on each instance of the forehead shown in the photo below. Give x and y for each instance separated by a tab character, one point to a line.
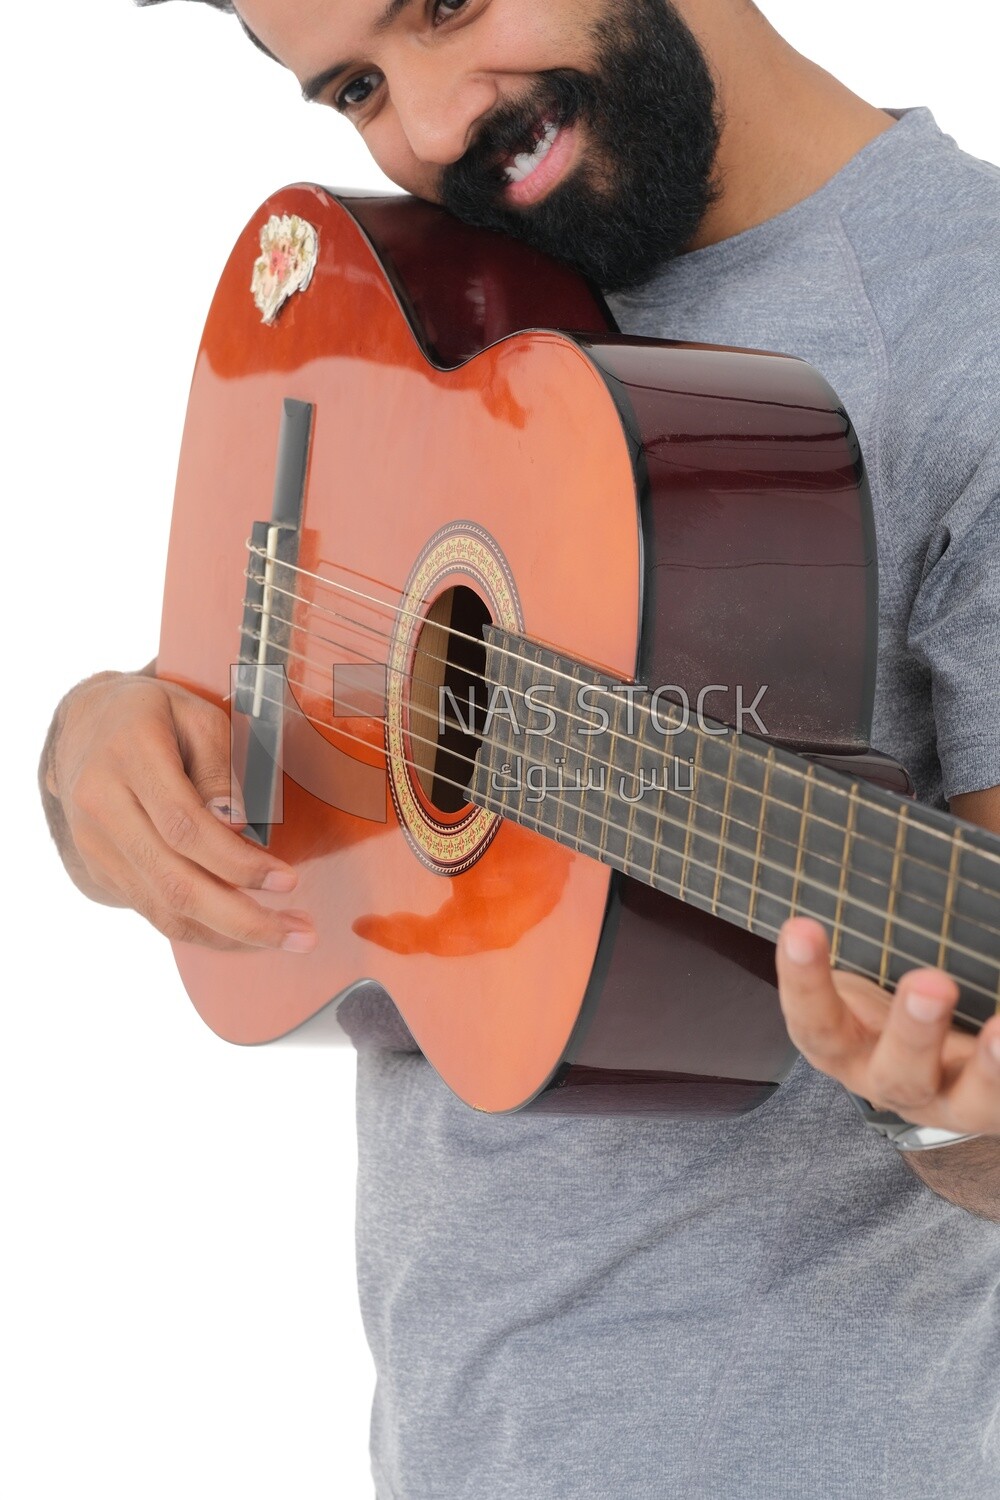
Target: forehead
306	34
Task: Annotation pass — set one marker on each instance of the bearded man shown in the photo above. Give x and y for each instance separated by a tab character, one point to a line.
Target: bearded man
781	1305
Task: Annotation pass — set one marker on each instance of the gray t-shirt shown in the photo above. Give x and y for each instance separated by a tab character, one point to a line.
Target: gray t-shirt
774	1307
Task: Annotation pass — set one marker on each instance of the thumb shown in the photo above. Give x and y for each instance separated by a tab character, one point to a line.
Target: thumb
204	741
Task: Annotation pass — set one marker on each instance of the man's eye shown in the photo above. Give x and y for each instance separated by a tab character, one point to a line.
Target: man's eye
357	91
446	8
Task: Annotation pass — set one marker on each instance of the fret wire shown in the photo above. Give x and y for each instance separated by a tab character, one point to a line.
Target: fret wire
727	795
560	806
606	820
946	915
755	872
513	796
893	887
637	771
800	851
852	812
692	809
582	801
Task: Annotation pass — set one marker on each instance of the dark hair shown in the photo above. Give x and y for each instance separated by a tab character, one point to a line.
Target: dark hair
226	5
219	4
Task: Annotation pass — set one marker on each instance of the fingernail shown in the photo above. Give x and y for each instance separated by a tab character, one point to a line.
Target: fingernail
925	1007
993	1046
799	949
279	880
299	942
226	810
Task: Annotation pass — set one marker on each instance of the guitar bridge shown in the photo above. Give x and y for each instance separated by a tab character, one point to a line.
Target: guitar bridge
259	678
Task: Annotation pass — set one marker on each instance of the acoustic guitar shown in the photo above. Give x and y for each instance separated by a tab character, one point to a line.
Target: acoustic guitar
549	655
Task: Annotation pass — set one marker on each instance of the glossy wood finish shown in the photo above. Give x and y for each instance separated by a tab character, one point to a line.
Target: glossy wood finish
463	289
523	440
532	967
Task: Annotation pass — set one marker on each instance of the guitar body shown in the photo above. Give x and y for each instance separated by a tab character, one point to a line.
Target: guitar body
672	515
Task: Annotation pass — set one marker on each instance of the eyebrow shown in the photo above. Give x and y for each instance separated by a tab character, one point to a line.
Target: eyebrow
314	86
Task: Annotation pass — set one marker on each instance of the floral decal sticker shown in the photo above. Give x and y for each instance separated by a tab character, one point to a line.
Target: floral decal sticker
285	265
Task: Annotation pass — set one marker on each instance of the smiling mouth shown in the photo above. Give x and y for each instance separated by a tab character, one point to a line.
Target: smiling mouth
531	174
524	163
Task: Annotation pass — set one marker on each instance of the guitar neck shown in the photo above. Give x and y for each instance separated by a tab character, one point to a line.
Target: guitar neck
747	831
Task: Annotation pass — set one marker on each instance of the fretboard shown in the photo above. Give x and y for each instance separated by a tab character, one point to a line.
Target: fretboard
737	827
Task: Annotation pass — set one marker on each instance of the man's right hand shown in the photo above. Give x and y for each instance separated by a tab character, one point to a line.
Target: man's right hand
130	771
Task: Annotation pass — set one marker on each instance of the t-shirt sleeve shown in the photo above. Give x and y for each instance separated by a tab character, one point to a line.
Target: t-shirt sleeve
954	630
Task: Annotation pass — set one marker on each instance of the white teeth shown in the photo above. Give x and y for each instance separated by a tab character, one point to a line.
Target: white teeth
525	162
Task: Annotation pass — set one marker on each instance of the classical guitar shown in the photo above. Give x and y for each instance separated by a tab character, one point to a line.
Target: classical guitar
549	655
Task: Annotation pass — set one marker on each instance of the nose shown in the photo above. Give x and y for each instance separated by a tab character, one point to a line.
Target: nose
438	108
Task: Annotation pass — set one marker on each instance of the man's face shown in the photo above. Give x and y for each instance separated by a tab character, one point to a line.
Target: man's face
585	127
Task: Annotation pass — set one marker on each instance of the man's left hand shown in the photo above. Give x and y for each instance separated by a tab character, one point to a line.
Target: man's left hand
899	1051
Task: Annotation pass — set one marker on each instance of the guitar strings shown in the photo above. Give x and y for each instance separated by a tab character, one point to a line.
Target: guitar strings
662	818
724	846
987	854
587	846
728	818
857	837
573	718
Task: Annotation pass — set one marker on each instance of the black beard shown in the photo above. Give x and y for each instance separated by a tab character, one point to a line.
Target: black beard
645	182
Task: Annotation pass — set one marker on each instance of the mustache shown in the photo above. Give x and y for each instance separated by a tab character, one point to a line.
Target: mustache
561	96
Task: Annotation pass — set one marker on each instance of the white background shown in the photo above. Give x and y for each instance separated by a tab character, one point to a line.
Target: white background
179	1311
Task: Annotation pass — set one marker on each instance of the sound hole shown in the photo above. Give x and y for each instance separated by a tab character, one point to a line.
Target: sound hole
448	697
